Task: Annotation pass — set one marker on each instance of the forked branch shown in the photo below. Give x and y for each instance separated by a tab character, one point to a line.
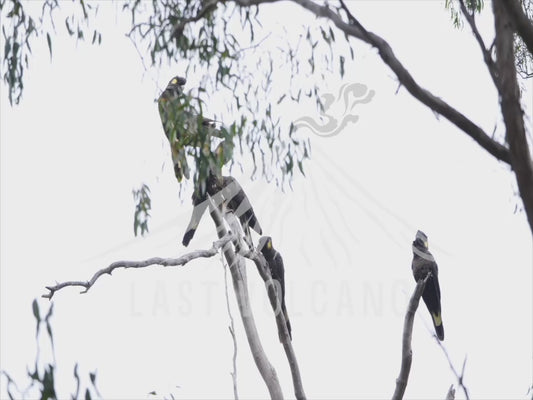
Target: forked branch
459	376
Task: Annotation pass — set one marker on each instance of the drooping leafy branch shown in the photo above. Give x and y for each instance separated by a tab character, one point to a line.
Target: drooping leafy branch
22	27
224	44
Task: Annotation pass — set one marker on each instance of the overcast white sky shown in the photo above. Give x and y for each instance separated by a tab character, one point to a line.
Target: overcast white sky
87	131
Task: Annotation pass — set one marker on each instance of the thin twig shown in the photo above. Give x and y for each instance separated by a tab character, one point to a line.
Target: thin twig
180	26
231	331
407	352
487	55
460	376
253	46
166	262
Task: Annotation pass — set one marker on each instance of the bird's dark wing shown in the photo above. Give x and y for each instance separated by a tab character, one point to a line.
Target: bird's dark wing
437	315
287	321
277	270
431	297
238	202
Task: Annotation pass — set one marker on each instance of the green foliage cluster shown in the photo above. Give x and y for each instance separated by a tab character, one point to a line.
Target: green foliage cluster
20	29
203	36
221	42
42	378
143	207
474	6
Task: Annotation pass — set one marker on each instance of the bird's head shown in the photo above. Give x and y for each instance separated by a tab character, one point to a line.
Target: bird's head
175	87
421	241
265	244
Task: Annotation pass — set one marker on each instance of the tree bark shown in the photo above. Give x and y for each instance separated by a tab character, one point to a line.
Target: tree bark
407	351
512	112
522	24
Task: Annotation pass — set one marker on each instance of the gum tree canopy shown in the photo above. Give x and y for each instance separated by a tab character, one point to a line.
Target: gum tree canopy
220	39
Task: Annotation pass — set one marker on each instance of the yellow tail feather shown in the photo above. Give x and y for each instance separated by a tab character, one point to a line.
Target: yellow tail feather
437	319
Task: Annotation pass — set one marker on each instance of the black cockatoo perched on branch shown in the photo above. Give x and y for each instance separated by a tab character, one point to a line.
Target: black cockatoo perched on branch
277	270
180	126
424	263
187	131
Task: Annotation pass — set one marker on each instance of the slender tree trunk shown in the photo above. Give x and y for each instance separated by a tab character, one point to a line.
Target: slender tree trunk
513	115
237	269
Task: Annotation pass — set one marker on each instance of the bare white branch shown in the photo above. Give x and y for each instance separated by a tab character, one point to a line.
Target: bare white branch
166	262
407	352
237	268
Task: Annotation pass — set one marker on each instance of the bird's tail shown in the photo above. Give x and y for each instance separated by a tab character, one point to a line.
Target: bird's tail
200	203
181	167
196	216
437	323
250	219
287	324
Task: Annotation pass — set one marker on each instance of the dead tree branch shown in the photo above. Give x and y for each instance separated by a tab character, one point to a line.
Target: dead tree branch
237	269
407	352
166	262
